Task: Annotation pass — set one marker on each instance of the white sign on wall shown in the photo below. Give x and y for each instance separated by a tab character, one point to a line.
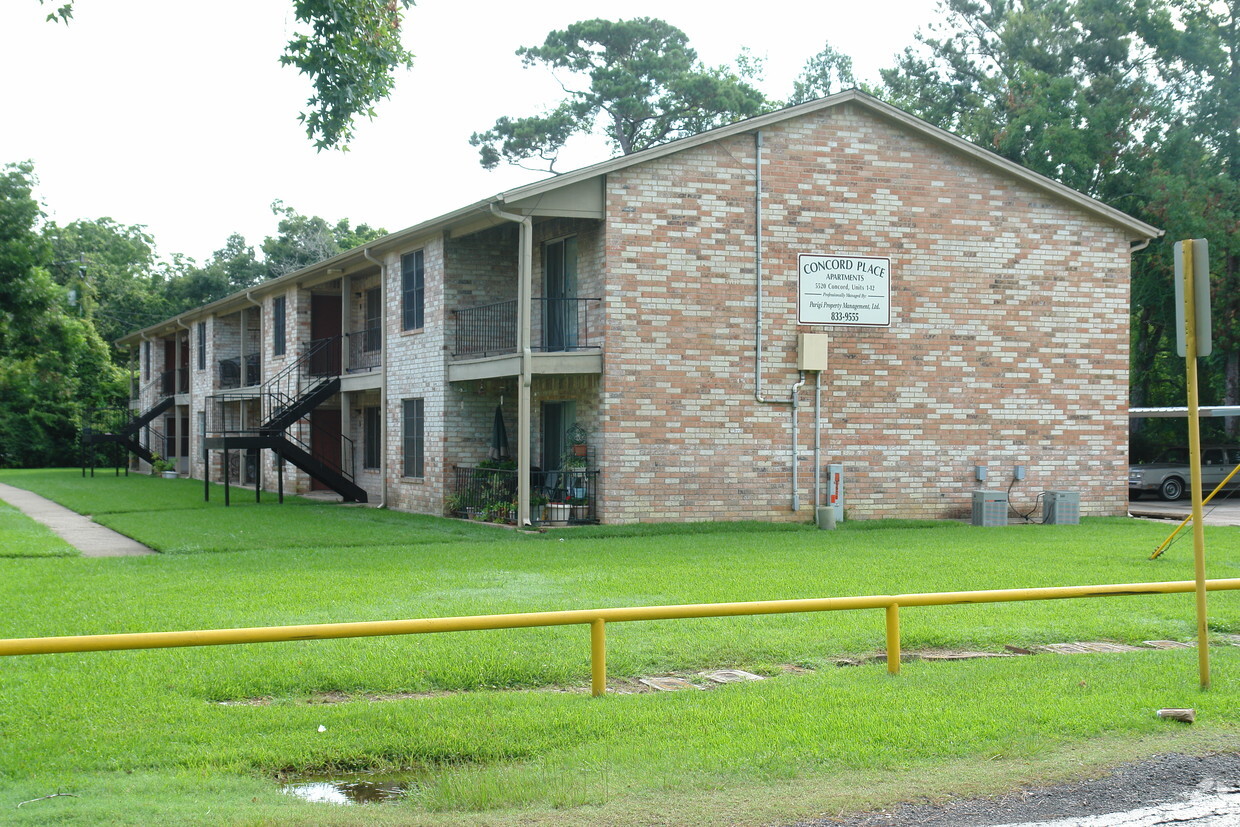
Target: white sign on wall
844	290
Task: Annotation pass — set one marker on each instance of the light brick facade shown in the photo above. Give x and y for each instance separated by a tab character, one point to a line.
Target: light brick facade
1008	341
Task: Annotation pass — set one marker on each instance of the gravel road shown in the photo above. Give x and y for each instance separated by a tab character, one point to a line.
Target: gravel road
1170	789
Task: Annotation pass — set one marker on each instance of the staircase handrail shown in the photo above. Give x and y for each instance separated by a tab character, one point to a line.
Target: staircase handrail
281	390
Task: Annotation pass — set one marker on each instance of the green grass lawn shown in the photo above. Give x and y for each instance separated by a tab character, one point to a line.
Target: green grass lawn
499	726
21	536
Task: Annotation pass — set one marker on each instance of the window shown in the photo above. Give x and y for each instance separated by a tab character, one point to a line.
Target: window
557	418
560	292
412	290
277	326
414	437
146	360
371	437
202	345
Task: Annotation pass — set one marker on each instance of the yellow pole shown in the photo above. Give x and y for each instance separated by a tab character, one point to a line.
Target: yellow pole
893	639
1158	551
1194	450
598	657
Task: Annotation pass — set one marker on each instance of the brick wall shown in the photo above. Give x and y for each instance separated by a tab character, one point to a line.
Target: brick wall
1008	342
416	368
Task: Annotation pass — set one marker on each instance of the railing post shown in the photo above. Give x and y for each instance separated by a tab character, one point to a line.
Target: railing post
598	657
893	639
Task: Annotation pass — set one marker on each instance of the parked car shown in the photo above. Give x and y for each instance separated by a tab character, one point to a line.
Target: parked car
1168	476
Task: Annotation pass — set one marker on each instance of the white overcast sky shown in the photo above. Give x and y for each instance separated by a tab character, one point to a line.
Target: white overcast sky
178	116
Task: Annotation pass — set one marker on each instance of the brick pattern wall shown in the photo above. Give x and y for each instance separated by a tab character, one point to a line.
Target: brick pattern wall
1008	343
416	368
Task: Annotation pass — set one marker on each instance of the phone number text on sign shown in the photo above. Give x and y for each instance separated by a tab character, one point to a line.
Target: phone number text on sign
844	290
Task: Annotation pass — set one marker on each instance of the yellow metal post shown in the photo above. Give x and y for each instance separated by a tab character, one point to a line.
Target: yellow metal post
1194	450
893	639
598	657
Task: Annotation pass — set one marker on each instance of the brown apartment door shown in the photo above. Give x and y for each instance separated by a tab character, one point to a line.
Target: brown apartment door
325	324
325	440
167	382
183	364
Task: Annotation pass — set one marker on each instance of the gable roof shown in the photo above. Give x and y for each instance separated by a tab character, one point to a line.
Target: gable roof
479	215
1139	229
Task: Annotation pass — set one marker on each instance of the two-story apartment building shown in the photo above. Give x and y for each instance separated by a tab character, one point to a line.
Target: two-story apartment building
634	328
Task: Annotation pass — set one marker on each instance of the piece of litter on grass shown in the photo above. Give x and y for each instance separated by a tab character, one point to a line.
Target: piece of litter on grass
322	728
1185	715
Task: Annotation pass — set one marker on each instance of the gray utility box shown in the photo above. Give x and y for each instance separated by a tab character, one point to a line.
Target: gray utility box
1061	507
990	508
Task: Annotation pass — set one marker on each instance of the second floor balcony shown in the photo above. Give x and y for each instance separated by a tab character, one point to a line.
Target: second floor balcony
240	373
565	336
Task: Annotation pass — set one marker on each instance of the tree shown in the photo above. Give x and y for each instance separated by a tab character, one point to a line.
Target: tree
351	54
53	364
1201	61
119	286
643	85
1079	90
822	74
1064	87
304	240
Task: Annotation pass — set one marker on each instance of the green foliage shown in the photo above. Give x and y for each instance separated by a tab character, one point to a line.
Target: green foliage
824	73
305	240
350	54
645	86
1060	86
53	364
1136	104
113	270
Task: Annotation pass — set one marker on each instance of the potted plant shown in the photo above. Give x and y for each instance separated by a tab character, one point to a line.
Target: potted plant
558	512
580	508
161	467
538	507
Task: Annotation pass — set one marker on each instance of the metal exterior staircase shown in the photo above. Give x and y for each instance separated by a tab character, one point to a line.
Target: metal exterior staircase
122	426
287	398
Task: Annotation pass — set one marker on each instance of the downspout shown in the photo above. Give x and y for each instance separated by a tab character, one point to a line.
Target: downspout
817	439
757	361
525	290
385	355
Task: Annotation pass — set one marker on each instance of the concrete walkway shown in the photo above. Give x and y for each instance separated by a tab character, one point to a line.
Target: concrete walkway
90	538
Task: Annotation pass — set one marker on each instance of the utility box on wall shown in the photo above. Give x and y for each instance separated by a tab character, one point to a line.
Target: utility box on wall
812	351
990	508
1061	508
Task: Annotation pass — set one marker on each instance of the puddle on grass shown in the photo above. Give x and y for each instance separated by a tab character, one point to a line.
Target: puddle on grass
352	788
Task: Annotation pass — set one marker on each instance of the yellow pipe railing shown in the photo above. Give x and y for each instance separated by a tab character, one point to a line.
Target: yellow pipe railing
595	618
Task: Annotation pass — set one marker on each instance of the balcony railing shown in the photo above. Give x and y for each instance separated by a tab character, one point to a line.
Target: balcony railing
566	497
557	326
323	357
174	382
365	349
231	373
